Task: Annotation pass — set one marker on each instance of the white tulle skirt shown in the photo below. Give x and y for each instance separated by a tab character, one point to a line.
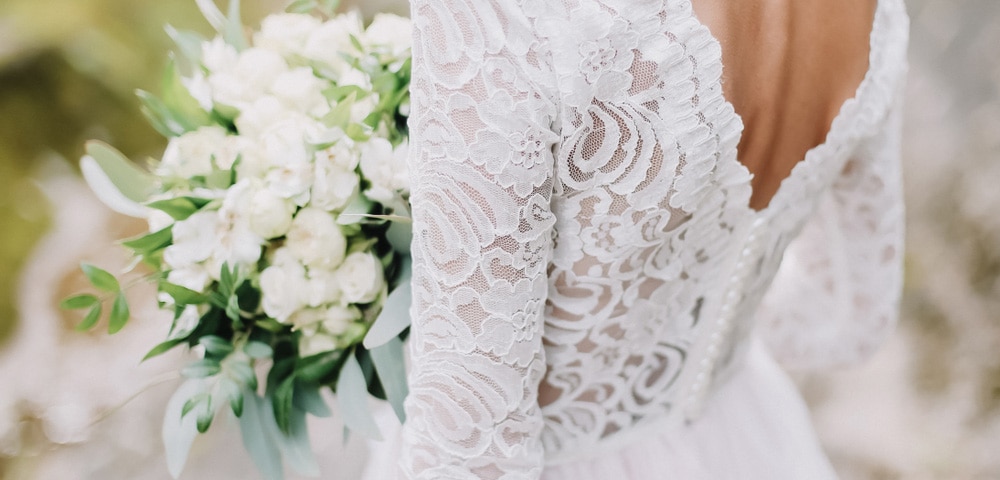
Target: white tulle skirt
755	426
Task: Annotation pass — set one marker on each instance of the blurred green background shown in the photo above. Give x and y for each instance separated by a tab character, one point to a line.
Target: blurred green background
927	407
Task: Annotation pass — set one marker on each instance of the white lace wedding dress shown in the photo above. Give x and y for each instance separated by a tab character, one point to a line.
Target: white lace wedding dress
593	296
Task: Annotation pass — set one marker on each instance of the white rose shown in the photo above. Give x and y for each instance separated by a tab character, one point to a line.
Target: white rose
339	155
186	322
391	31
193	277
286	33
281	289
219	56
194	240
200	89
333	187
302	91
307	320
338	319
158	220
235	242
361	278
260	115
314	344
254	72
290	158
315	239
192	154
385	168
322	288
333	37
270	215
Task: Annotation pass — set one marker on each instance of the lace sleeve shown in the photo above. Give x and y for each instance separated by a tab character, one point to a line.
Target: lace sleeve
835	297
481	165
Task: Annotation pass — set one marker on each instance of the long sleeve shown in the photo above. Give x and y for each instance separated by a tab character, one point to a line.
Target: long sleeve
481	167
836	295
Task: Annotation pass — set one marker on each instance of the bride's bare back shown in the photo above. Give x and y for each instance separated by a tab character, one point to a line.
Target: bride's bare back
789	66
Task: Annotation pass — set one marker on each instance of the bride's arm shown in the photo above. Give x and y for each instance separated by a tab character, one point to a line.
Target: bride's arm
481	168
836	295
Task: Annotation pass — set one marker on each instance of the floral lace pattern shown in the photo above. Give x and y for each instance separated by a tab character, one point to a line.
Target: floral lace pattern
585	259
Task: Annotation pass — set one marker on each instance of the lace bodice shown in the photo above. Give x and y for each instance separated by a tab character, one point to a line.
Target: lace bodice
585	259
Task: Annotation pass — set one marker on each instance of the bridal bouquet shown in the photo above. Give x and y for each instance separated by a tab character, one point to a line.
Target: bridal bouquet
278	225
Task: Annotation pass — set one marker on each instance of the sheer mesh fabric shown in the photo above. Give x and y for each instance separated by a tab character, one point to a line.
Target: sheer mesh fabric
585	259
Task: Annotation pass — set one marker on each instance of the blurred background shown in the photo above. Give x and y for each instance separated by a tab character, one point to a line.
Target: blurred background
927	407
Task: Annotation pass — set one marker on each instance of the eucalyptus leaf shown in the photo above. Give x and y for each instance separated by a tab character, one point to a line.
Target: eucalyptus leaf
211	13
395	314
282	401
100	278
106	190
76	302
134	183
91	319
307	397
391	369
188	43
215	345
205	367
295	445
352	397
179	433
244	373
119	313
232	31
160	116
183	106
258	350
257	428
231	391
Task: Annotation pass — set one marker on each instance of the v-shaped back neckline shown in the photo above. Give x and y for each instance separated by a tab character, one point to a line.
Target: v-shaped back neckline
848	110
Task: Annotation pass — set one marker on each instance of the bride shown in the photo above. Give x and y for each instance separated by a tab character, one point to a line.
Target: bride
615	238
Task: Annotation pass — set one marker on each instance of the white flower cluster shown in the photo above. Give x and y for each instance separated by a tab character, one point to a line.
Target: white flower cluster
294	152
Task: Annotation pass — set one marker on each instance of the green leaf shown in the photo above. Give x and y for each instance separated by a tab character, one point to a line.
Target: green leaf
313	369
91	319
179	208
179	432
259	432
283	402
258	350
76	302
400	235
295	445
391	369
205	367
232	32
119	313
229	389
339	93
183	295
184	108
100	278
308	398
146	244
163	347
134	183
188	44
191	403
395	314
205	416
216	346
159	115
340	115
302	6
352	396
244	373
233	308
